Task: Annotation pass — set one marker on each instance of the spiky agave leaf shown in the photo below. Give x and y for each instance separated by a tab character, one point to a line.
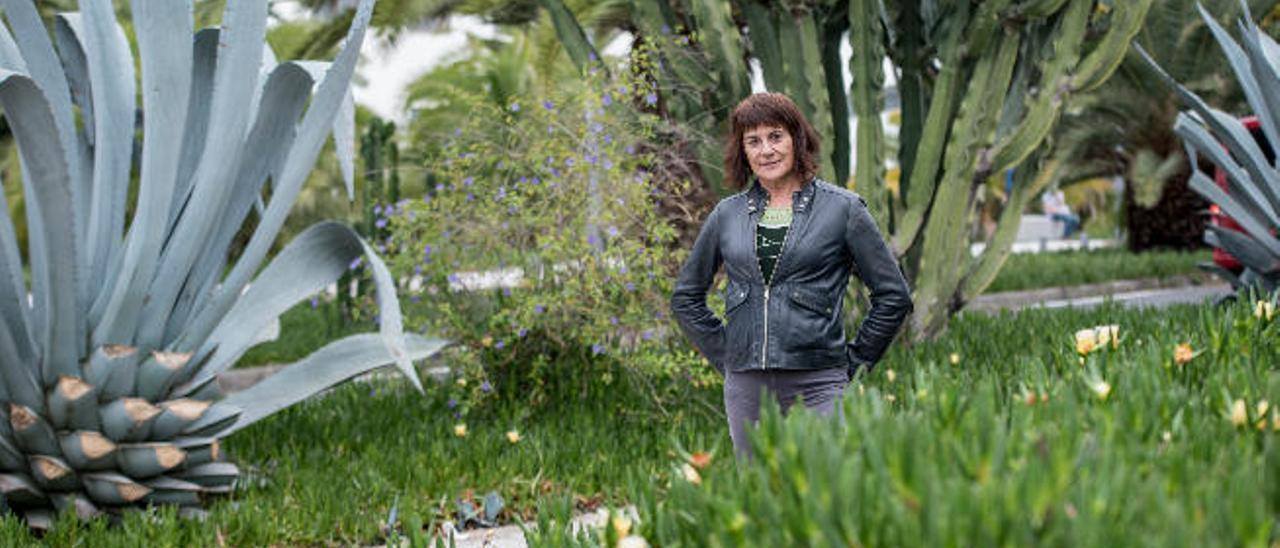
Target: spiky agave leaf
1252	197
107	392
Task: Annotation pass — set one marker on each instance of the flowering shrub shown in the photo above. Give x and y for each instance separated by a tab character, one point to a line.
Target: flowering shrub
539	251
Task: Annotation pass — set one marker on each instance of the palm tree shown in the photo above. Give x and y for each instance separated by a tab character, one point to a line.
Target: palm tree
1125	128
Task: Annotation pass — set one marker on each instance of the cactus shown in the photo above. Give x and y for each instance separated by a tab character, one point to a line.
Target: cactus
982	85
107	392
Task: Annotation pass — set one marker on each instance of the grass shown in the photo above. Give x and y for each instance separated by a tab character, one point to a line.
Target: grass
1071	268
957	457
303	329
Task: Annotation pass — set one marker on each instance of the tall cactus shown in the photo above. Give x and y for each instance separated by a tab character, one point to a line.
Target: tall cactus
981	84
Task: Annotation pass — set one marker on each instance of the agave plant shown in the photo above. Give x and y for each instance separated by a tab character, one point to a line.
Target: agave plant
1252	196
108	360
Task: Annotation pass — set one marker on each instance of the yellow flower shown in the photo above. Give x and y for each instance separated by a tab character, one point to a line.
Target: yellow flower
621	525
1167	436
487	341
1086	341
690	474
890	398
955	359
889	374
1102	389
513	436
1183	354
462	381
1275	420
1239	413
1264	310
1263	407
1108	334
633	541
460	430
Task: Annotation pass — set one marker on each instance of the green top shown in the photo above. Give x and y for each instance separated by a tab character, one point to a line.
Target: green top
770	235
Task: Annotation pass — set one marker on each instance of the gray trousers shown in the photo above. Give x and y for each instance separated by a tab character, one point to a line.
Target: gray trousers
818	389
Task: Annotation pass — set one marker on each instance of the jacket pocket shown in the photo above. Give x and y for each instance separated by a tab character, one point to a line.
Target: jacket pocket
812	322
737	330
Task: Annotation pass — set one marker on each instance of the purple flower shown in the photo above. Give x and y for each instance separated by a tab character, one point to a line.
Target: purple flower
665	29
622	269
608	164
631	150
457	131
592	159
597	127
457	414
646	335
515	107
356	263
555	172
547	104
439	187
623	90
453	278
417	270
538	308
511	210
451	403
414	299
631	286
537	180
591	56
613	232
468	181
499	344
651	99
607	99
613	320
377	210
522	332
568	162
597	349
485	386
471	197
506	292
608	139
593	240
380	223
502	193
315	301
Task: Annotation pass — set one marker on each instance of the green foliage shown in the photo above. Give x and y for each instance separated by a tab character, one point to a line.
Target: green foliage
1071	268
550	195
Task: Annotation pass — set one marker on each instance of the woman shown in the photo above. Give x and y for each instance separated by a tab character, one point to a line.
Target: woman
788	244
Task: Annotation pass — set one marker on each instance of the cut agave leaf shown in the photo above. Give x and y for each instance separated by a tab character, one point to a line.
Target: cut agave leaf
177	415
73	405
215	421
20	490
30	432
110	488
11	459
128	419
52	473
144	460
200	450
112	369
80	504
88	450
157	372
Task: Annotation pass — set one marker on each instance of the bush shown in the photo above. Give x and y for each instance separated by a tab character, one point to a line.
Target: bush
550	196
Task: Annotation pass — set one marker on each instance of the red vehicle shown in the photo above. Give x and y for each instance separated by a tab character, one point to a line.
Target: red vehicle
1220	257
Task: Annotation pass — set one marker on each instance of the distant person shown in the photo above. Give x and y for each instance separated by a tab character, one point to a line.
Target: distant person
788	244
1055	206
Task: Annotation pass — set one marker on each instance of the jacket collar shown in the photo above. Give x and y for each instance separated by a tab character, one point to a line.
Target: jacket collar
758	197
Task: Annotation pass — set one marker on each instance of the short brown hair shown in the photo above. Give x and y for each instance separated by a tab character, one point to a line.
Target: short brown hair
769	109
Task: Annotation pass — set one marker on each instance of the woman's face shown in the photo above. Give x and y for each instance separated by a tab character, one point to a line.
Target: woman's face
769	152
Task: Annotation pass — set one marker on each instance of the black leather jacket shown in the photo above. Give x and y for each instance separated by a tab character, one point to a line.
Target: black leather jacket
796	321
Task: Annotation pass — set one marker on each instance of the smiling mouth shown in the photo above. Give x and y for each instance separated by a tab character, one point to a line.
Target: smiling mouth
771	164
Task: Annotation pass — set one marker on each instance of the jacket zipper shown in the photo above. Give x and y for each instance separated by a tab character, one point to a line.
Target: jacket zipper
755	242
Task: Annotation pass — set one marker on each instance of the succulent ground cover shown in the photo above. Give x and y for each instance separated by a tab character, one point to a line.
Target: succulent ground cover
993	433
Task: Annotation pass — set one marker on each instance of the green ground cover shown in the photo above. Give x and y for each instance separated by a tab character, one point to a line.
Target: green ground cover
935	452
1071	268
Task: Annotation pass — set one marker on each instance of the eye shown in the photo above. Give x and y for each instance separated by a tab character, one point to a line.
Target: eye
775	137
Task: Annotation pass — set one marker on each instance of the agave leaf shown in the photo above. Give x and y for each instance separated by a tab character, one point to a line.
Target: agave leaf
1242	247
235	76
266	146
14	312
344	142
311	136
268	66
310	262
1267	105
111	73
205	53
68	29
10	57
44	68
1243	186
336	362
1205	187
54	265
163	28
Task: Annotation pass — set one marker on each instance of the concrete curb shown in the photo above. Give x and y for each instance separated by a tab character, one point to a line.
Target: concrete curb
1016	300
